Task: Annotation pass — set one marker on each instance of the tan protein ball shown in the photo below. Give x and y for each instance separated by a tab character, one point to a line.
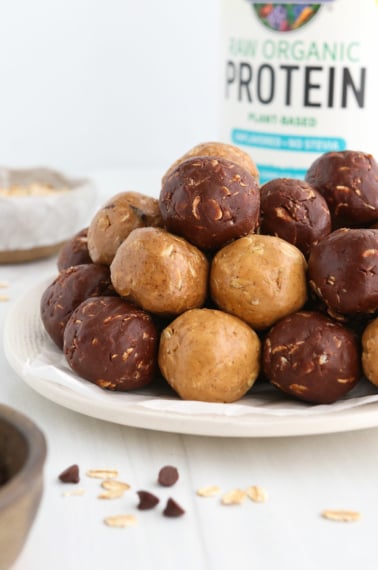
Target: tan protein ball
369	341
160	272
260	279
209	355
220	150
116	219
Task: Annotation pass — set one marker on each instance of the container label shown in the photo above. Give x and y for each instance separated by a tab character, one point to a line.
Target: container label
298	80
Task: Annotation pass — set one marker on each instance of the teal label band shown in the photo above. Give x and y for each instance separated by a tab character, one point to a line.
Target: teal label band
270	172
295	143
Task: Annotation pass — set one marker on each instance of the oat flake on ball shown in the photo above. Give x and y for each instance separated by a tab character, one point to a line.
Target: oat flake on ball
209	355
210	201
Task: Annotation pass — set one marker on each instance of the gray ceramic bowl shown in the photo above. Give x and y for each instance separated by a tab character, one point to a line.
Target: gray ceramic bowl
22	457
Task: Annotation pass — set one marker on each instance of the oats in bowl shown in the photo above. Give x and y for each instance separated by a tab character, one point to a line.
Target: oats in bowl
40	209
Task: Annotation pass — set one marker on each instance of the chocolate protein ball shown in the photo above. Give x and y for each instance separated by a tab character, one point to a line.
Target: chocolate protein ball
343	271
72	286
311	357
218	150
111	343
210	201
116	219
160	272
74	251
209	355
259	278
348	181
294	211
369	341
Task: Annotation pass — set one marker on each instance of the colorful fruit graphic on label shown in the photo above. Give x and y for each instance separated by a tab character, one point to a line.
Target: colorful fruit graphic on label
285	17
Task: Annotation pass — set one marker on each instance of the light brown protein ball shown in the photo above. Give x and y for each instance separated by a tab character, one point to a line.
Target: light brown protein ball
220	150
369	357
260	279
162	273
116	219
209	355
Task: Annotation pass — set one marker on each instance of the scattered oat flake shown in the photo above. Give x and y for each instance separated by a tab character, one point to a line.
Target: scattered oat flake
209	491
74	493
120	521
115	485
4	284
257	494
234	497
4	298
341	515
111	494
102	473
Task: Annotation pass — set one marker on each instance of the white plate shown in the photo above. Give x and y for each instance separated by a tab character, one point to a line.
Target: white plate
25	339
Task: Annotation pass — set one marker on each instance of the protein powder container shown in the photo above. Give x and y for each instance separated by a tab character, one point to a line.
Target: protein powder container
297	80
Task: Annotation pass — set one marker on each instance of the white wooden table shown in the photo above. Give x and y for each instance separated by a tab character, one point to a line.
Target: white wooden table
303	476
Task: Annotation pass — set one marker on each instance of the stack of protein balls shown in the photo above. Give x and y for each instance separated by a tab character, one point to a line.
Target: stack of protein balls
219	282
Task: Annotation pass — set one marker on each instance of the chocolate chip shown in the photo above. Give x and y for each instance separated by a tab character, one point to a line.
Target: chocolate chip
168	476
173	509
70	475
147	500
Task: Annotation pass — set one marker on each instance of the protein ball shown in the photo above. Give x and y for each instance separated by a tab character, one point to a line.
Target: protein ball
260	279
311	357
116	219
218	150
210	201
72	286
343	271
160	272
74	251
209	355
348	181
369	341
111	343
294	211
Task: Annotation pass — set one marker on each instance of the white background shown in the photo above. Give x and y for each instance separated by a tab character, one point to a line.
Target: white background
88	85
